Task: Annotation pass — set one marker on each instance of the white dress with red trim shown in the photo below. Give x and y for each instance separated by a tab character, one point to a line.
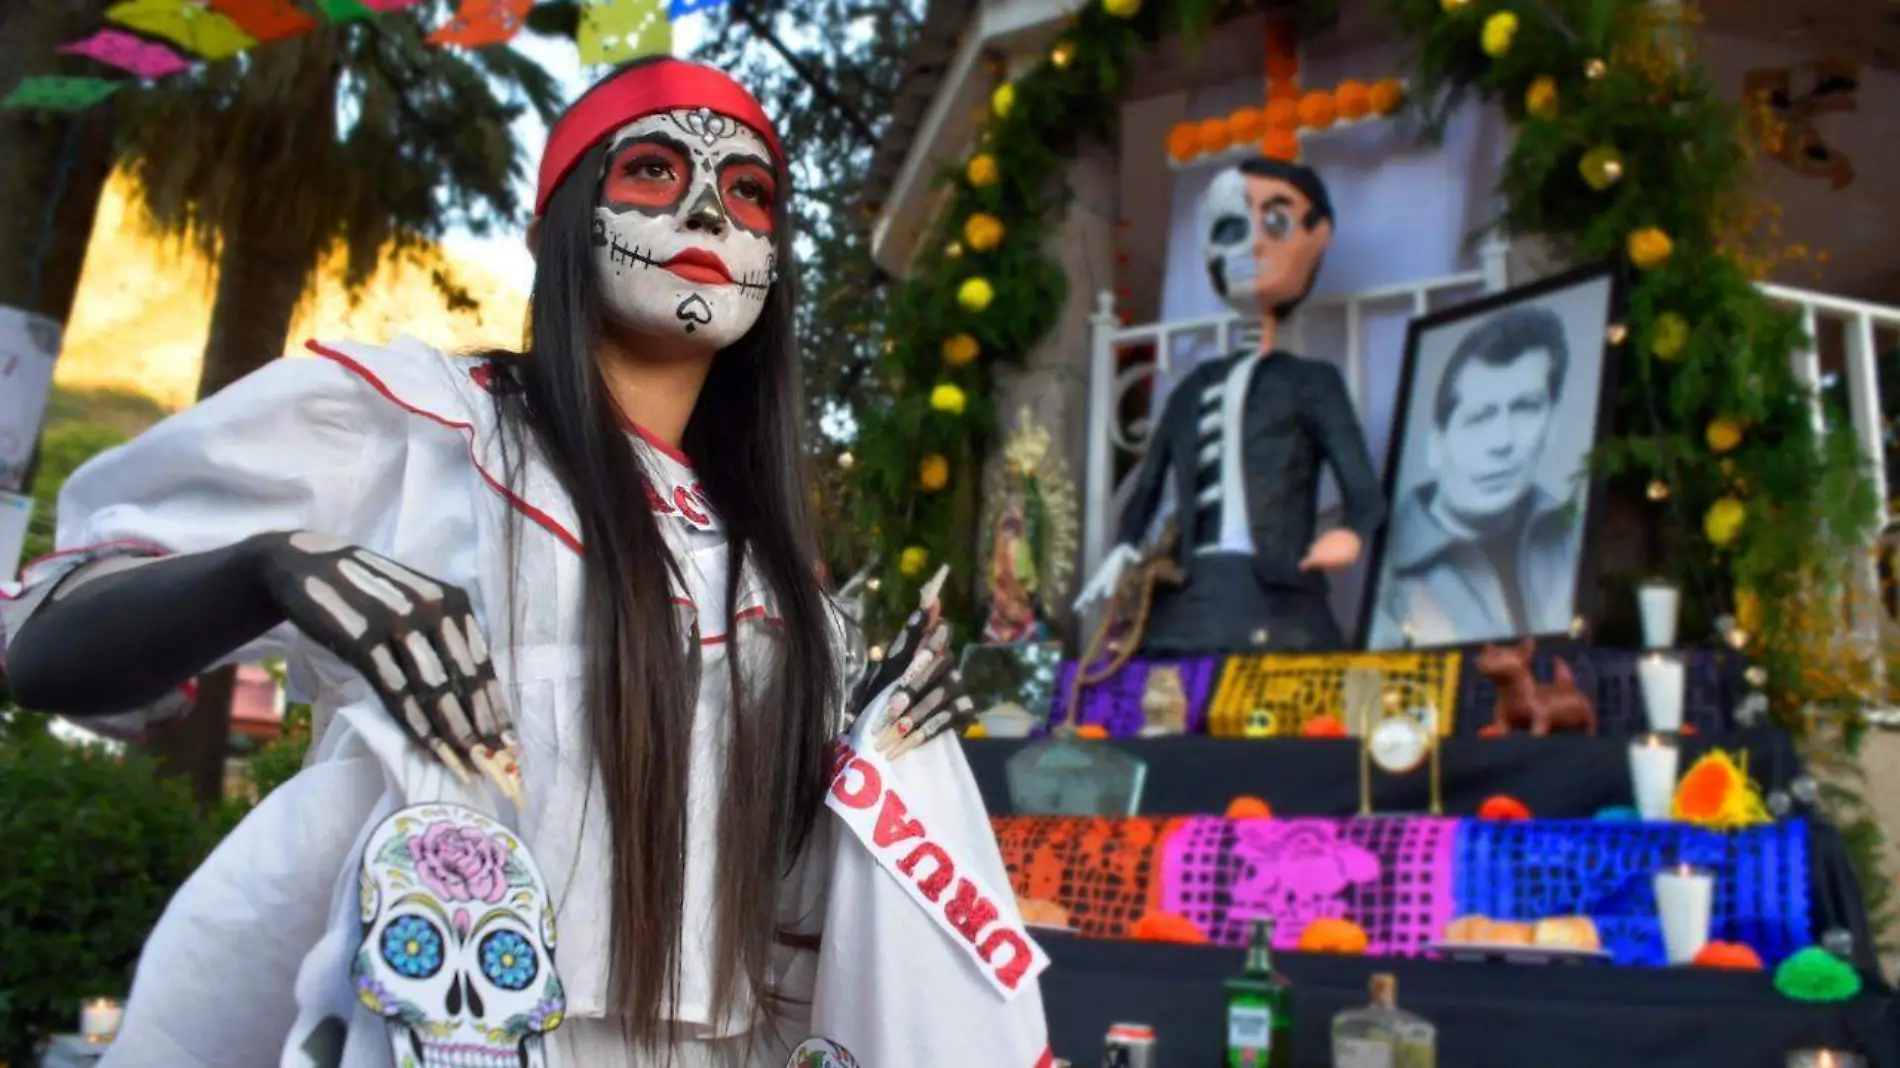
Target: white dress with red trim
396	449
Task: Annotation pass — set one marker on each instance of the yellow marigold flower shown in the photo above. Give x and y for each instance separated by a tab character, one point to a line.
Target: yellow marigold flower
981	170
1724	520
1723	434
982	231
1669	336
913	560
947	399
1649	247
1541	98
960	350
1002	100
975	294
934	473
1499	30
1122	9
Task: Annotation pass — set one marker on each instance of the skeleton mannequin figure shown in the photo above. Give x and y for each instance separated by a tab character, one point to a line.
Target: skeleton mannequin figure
561	600
1242	439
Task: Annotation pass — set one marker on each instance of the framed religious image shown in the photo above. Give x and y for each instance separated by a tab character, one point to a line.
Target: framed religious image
1500	402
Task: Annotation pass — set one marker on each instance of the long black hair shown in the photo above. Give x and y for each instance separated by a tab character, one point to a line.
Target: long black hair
746	443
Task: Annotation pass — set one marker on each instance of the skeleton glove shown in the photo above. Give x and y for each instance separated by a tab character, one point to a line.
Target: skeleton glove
926	696
414	639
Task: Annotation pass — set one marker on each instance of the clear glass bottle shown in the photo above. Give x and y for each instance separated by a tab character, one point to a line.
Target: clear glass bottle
1382	1035
1259	1008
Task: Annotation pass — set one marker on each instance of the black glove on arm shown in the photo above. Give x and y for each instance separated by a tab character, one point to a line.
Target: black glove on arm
414	639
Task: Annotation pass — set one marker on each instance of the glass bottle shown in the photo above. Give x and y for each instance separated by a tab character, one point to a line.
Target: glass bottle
1382	1035
1259	1008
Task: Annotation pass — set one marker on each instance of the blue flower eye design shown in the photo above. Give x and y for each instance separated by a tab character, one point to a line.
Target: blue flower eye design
413	946
508	960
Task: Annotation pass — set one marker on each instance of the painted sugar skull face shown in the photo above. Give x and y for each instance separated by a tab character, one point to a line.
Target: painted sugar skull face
683	227
1260	241
458	949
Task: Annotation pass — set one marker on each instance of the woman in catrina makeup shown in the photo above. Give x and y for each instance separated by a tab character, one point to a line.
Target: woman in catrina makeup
573	670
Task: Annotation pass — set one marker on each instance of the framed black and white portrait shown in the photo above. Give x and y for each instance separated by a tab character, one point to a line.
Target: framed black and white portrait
1500	402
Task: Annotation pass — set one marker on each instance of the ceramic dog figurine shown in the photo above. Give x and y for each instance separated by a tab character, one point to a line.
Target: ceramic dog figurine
1525	703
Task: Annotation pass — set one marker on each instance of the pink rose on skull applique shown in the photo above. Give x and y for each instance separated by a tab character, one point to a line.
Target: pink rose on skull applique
461	863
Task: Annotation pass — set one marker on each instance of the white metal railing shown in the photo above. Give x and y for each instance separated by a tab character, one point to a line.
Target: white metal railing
1850	335
1110	381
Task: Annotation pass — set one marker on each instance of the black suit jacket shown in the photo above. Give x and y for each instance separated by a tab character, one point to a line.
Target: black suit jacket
1298	416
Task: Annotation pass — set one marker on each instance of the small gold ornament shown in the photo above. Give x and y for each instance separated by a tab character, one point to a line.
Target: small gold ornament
1578	628
1122	9
890	345
1756	676
846	460
1736	637
1615	333
954	250
1658	490
1601	167
1260	638
1595	69
1062	54
875	654
1452	7
874	584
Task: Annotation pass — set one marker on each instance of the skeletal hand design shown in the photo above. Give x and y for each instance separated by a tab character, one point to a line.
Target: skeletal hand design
414	639
928	699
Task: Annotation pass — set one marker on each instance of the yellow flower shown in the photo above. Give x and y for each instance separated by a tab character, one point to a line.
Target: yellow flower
1541	98
1452	7
1723	434
960	350
1724	520
1499	29
1002	100
934	473
913	560
1669	336
983	232
981	170
975	294
1121	9
1601	167
1649	247
947	399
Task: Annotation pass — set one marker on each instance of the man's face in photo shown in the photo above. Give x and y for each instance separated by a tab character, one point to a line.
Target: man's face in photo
1487	452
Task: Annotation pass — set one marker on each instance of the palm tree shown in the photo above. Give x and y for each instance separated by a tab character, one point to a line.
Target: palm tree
357	138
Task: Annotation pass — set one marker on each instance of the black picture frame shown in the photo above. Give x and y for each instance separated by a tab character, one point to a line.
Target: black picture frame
1375	628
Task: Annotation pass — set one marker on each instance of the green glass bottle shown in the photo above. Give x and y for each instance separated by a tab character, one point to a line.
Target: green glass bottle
1259	1008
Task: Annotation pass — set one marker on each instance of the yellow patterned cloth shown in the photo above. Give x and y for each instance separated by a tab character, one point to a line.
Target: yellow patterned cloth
1275	695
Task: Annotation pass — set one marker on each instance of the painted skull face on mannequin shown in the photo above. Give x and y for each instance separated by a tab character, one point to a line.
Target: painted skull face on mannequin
1262	239
683	226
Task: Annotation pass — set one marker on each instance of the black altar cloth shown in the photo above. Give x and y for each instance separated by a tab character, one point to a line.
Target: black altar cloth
1560	777
1488	1015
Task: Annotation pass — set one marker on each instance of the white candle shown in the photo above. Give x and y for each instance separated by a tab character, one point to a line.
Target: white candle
1660	605
1825	1058
1654	761
99	1019
1685	902
1661	677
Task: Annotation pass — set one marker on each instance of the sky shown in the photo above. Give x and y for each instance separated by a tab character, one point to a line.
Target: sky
506	253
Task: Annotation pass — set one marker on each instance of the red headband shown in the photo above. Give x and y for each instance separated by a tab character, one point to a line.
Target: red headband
636	93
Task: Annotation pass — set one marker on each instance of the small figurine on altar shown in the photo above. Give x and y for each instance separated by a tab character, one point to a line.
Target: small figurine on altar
1032	539
1242	440
1164	702
1524	703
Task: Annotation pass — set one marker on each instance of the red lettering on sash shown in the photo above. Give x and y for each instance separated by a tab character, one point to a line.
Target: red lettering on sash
870	784
841	754
654	500
894	823
933	887
1010	974
968	911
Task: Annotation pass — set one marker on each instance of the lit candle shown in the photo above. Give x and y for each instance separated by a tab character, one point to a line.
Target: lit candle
1685	900
1654	761
1825	1058
1659	603
1661	677
99	1019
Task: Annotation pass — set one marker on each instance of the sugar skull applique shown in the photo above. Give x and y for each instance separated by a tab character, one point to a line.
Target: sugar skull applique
458	946
821	1053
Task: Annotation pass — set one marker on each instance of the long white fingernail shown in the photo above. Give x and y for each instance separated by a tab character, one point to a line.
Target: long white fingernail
450	761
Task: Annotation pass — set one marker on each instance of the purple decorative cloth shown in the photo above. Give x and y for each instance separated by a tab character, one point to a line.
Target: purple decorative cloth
1115	704
1391	876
